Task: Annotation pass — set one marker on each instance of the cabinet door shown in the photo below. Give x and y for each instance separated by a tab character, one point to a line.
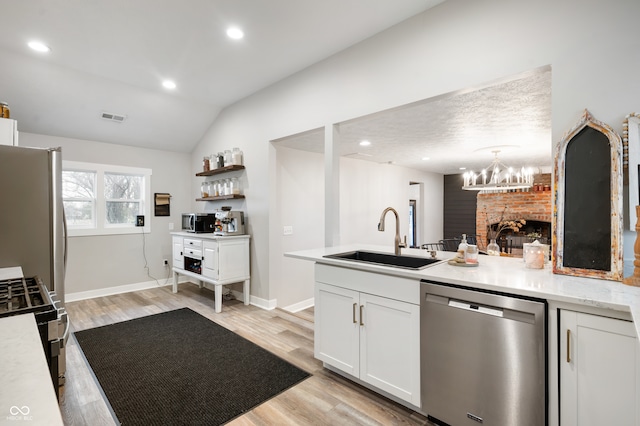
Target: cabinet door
178	258
233	258
599	371
210	259
390	346
336	339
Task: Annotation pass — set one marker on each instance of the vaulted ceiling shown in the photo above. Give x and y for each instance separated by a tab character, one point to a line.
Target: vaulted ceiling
113	56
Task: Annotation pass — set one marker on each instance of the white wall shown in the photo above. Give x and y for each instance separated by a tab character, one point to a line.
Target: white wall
99	263
367	188
591	46
300	204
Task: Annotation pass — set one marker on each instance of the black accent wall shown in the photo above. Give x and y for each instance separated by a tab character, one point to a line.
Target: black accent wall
459	208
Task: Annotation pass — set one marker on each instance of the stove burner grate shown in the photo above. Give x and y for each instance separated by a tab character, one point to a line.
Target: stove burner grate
23	295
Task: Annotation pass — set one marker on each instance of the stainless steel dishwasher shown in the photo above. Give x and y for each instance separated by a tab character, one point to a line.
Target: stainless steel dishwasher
483	357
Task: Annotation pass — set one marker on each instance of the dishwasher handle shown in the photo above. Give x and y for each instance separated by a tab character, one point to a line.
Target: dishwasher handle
468	306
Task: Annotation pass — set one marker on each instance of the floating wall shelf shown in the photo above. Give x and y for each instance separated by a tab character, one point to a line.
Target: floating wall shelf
221	170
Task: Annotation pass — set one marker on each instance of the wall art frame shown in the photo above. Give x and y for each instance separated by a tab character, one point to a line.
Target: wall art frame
588	202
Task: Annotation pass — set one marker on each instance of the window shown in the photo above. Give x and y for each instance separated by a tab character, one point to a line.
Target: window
103	199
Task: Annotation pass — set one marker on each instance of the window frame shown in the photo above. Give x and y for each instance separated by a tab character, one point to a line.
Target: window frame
101	226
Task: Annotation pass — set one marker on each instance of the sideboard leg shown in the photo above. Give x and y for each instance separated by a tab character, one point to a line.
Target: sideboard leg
245	291
218	296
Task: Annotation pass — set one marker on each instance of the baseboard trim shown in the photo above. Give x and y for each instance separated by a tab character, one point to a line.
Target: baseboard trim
300	306
110	291
127	288
264	303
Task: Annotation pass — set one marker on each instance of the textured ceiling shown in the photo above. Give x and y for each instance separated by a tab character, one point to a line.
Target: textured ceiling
454	130
112	56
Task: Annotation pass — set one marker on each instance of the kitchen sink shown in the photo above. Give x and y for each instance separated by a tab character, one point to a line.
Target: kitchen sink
407	262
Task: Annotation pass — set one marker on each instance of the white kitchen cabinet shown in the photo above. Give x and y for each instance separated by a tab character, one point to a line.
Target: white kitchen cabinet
226	260
337	332
8	132
599	371
371	337
216	260
178	258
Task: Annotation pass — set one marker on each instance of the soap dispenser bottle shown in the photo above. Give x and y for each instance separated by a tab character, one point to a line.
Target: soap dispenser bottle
462	247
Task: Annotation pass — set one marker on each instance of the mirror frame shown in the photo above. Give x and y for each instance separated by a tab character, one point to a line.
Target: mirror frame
631	162
616	180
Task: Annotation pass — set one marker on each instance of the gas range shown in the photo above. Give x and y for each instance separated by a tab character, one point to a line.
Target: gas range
25	295
30	295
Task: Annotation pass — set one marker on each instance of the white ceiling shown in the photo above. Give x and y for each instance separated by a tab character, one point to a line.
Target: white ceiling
461	129
112	56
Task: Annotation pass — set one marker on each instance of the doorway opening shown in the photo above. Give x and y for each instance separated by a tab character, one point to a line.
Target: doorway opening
412	224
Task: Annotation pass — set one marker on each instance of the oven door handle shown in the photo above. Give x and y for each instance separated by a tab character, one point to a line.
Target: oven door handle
67	327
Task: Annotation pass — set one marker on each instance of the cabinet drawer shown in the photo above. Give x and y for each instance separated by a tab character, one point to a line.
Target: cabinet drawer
190	242
194	253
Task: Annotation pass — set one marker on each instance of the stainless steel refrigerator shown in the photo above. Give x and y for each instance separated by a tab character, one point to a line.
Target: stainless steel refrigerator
32	226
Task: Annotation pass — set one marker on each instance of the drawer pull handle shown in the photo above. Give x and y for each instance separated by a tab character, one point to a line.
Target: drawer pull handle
568	345
354	313
361	317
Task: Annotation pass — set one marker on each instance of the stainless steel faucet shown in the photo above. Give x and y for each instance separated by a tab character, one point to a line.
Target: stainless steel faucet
397	244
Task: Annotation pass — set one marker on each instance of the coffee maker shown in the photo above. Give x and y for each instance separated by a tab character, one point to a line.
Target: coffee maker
229	222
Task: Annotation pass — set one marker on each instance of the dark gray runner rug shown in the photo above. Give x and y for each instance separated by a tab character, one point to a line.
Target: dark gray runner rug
180	368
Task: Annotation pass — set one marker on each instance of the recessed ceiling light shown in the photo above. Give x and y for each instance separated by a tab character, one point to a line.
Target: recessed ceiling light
365	143
38	46
168	84
463	168
235	33
425	158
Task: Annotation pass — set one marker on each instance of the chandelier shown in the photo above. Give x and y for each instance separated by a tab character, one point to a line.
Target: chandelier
498	177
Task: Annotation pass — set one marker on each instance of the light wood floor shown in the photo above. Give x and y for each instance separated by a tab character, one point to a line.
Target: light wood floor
323	399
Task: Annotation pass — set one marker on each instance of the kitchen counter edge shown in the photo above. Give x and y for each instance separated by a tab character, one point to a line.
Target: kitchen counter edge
208	235
497	273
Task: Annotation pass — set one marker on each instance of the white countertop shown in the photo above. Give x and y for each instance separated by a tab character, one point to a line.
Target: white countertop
11	273
499	273
27	395
208	235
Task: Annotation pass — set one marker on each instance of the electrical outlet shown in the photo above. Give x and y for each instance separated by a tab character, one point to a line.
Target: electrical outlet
140	220
165	262
287	230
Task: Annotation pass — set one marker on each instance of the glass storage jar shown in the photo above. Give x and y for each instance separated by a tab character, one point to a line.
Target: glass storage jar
236	156
235	186
205	164
204	190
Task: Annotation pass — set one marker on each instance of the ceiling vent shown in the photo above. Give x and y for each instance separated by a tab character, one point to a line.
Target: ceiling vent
116	118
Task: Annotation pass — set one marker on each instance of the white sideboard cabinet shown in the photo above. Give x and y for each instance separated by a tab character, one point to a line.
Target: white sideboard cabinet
217	260
599	371
8	131
363	330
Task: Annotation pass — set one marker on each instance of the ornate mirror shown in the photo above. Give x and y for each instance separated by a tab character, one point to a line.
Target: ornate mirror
587	222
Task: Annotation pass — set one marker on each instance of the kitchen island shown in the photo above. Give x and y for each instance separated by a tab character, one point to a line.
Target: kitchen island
610	310
27	395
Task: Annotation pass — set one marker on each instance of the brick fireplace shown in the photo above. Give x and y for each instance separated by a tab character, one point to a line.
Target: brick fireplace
534	206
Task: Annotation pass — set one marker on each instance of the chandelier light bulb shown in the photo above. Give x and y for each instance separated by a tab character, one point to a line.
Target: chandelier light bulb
502	178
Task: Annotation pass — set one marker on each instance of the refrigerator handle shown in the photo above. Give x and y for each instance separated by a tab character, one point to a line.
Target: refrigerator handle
66	241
